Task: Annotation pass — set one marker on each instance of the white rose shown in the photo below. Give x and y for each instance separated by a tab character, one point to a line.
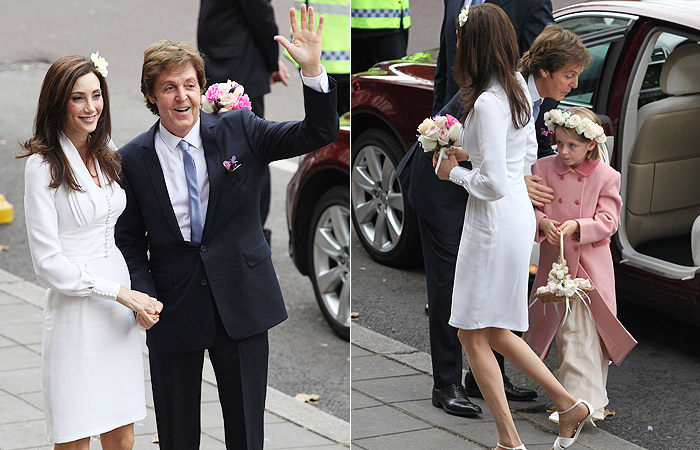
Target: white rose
238	91
574	120
427	143
552	287
423	127
206	105
455	131
560	274
589	132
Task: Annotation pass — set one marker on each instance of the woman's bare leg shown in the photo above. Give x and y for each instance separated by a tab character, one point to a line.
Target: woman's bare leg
488	376
121	438
80	444
518	352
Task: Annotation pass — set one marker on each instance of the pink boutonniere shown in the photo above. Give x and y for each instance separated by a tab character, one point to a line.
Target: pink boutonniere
231	164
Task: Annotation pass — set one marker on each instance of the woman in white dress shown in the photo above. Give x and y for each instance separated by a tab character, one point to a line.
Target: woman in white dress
92	365
490	288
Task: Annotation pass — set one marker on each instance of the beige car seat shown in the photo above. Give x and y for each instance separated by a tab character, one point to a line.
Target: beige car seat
663	186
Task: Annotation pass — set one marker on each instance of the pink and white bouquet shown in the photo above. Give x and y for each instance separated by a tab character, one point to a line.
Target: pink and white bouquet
438	134
221	97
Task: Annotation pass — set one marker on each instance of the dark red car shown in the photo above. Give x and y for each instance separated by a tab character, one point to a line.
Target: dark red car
318	218
644	82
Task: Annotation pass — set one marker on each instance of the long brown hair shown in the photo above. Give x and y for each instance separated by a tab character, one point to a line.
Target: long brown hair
487	51
50	122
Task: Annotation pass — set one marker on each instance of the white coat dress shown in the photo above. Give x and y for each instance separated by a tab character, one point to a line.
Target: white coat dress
92	366
490	287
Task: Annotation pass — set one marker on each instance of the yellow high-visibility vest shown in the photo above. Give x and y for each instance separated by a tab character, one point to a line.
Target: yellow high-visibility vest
380	14
335	49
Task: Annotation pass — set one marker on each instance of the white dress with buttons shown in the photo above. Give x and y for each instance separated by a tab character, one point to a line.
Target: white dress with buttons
92	366
491	276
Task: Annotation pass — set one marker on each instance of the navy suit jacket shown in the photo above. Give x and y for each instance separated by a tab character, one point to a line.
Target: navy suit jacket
232	266
528	17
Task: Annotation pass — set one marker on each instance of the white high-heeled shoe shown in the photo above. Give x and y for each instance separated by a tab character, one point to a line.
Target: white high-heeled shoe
563	443
519	447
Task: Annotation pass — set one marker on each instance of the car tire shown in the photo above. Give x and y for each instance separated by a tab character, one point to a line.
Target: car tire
329	258
378	201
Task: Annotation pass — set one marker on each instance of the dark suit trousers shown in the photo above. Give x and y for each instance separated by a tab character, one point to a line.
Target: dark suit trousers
241	377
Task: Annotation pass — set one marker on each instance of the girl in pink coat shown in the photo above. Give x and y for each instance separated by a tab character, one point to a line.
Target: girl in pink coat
586	209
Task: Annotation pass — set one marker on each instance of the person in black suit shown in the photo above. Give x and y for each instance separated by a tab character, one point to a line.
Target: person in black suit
192	237
249	56
440	208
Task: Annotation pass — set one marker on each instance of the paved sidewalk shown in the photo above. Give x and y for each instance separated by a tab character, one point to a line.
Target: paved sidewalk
289	423
392	408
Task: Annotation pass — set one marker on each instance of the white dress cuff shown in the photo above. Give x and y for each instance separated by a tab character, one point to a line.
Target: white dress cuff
318	83
457	175
106	288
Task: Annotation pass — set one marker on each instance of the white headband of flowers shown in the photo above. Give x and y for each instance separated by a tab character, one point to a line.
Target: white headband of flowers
463	16
586	127
100	63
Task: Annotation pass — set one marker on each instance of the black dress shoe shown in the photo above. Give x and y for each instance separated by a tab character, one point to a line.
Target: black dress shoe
454	401
513	393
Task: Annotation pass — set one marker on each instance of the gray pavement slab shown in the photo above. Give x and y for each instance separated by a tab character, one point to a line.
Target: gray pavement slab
359	401
383	420
397	389
392	409
417	440
370	367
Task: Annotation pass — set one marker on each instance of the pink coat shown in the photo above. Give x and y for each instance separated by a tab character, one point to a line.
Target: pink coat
590	194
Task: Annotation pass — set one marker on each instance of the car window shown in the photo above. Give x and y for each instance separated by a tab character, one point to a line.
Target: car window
584	94
582	25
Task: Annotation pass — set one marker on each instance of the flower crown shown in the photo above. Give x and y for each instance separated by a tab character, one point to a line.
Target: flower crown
463	16
100	63
585	127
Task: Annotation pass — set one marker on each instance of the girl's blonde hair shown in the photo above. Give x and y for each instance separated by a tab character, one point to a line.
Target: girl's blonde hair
584	113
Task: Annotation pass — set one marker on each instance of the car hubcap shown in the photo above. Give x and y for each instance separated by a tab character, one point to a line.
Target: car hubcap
332	262
376	198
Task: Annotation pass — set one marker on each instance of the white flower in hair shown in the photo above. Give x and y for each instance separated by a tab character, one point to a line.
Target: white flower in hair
574	121
100	63
463	16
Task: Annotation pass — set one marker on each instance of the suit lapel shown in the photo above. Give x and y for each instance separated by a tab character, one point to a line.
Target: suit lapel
155	174
214	164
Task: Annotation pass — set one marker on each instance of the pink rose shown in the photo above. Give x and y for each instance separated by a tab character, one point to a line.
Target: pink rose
212	93
244	102
227	164
443	137
441	121
451	120
433	132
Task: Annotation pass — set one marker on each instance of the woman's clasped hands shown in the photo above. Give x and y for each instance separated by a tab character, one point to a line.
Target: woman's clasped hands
147	308
454	155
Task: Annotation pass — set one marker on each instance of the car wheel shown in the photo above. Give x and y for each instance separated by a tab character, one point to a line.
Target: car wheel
329	258
387	226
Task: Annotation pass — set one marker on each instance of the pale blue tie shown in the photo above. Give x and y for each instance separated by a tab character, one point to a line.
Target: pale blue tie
536	109
196	219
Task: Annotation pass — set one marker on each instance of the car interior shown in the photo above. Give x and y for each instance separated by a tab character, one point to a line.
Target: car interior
661	177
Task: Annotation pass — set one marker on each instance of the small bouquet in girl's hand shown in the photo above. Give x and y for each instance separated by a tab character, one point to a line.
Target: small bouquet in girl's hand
221	97
438	134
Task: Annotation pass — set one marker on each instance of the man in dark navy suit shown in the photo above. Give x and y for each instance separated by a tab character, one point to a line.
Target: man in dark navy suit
440	207
192	237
